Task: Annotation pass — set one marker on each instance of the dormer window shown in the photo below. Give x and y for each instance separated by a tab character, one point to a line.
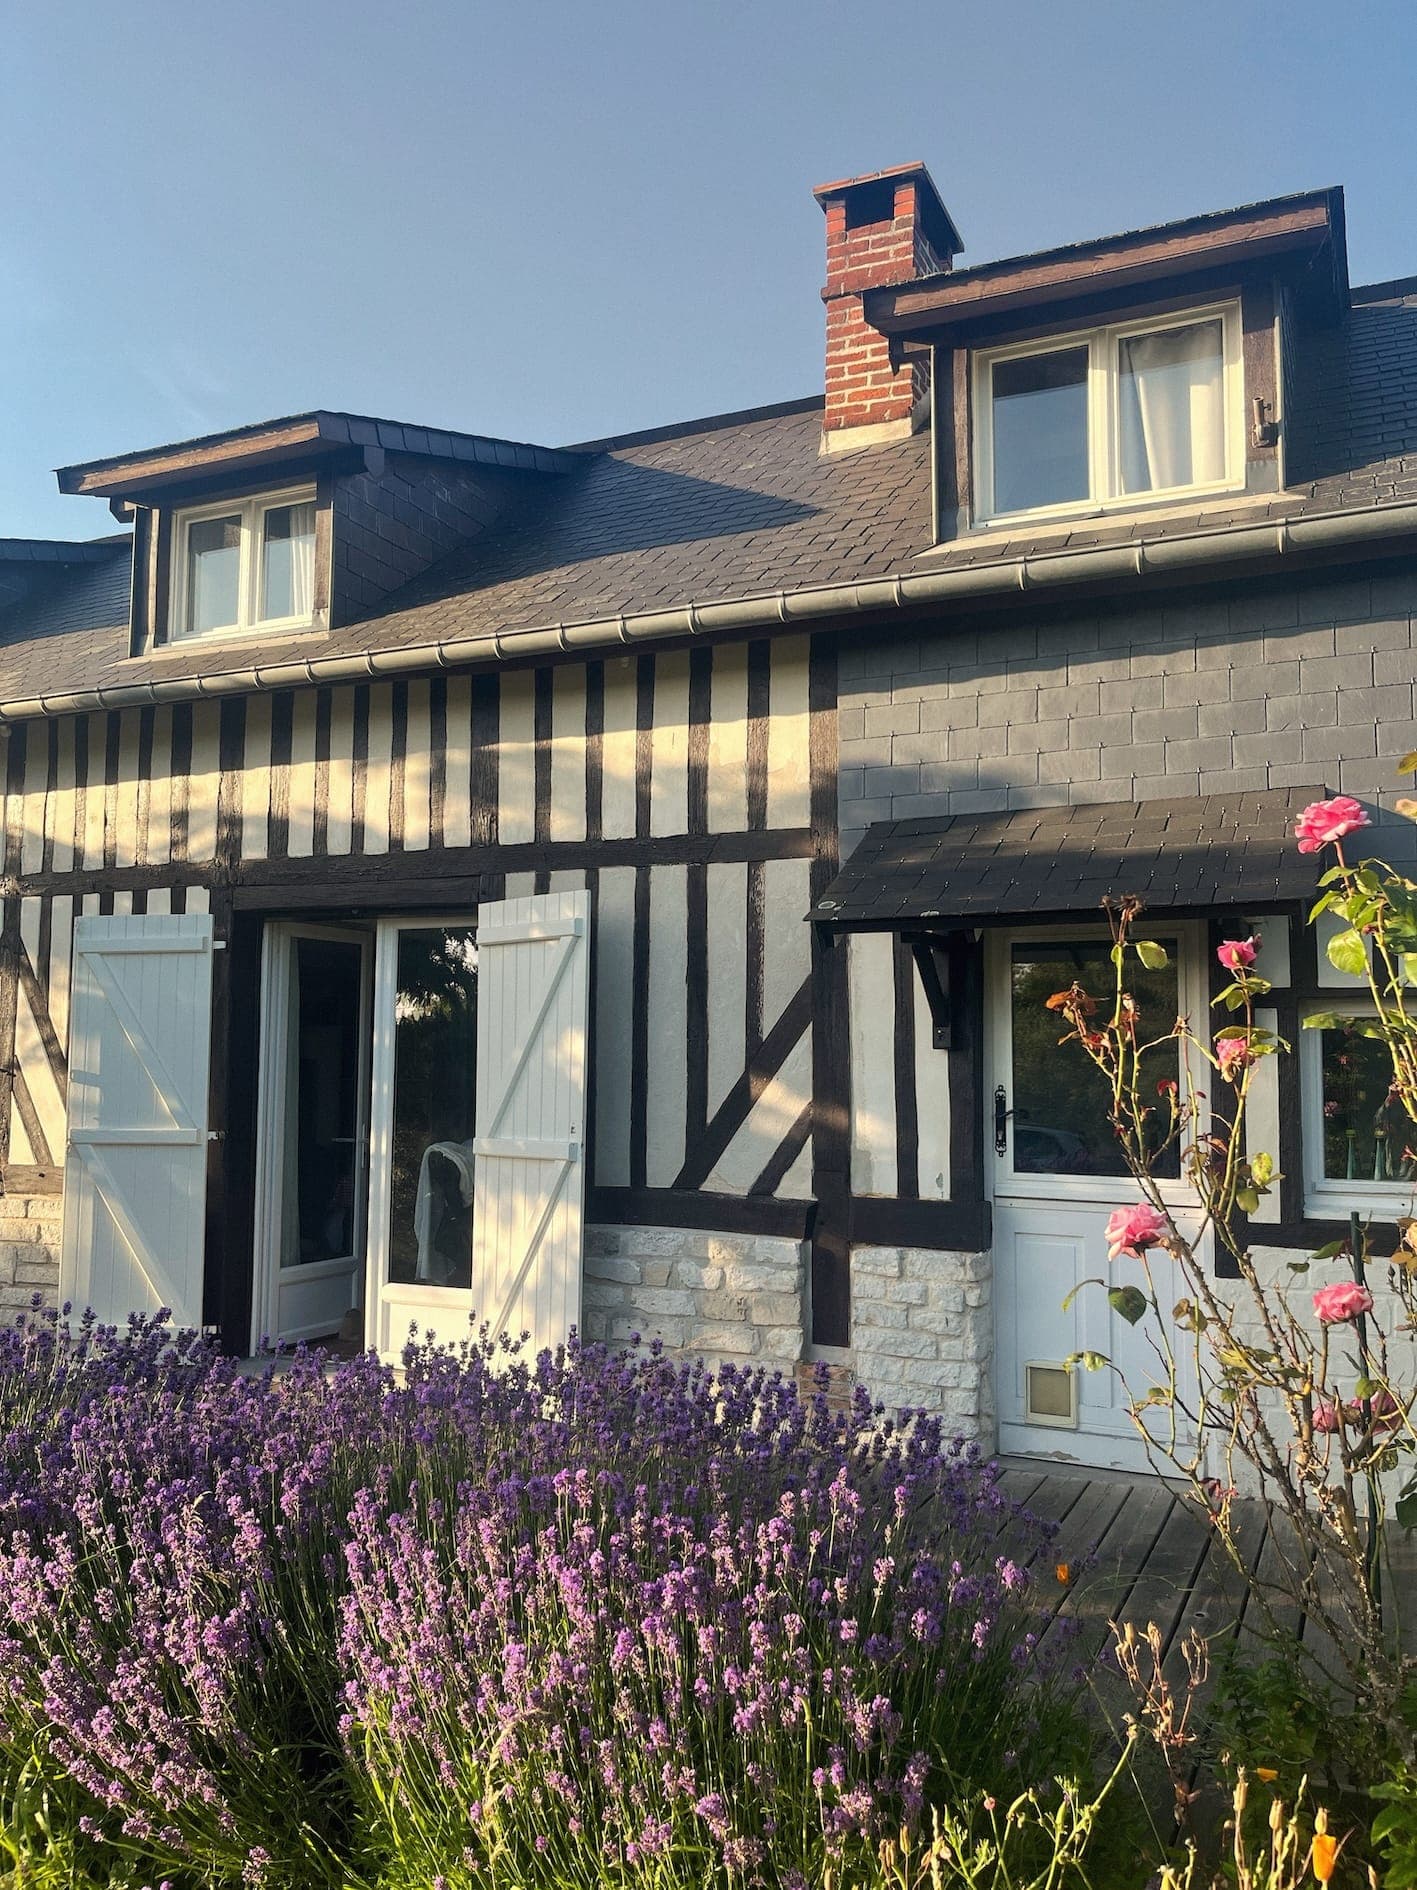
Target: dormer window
1127	413
245	565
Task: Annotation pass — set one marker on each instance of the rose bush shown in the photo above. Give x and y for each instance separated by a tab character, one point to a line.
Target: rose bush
1305	1400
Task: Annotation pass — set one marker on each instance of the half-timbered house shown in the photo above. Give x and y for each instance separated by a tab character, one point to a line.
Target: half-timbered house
614	886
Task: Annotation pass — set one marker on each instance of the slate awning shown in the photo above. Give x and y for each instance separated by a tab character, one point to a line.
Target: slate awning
1188	856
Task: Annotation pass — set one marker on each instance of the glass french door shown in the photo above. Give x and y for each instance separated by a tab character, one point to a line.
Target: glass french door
421	1154
1057	1173
311	1157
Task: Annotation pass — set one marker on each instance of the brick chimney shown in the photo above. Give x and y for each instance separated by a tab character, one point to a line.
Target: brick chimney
888	227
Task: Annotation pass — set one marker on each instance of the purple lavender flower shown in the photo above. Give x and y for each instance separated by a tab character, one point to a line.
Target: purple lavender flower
577	1607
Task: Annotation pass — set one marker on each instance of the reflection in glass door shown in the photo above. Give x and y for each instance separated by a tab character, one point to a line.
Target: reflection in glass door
424	1087
1059	1103
311	1154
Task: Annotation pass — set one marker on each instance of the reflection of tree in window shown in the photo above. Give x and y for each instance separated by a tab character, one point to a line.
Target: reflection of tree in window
435	1057
1061	1121
1366	1129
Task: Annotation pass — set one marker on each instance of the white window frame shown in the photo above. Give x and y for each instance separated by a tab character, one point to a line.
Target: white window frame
252	513
1104	426
1327	1198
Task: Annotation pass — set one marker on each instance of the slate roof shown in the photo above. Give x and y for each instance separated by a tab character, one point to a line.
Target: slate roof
1184	855
741	508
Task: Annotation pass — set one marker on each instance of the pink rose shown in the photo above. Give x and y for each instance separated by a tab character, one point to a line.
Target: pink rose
1134	1229
1343	1301
1327	1417
1386	1412
1322	821
1232	1054
1238	954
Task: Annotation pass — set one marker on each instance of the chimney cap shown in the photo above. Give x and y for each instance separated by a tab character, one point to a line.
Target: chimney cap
935	220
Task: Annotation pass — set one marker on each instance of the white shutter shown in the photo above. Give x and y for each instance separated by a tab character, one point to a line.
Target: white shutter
135	1175
529	1177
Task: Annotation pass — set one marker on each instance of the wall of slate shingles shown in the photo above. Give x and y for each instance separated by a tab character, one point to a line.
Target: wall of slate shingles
1236	688
1239	688
392	526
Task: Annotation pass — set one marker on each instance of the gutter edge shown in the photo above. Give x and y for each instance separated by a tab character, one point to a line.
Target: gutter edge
1167	554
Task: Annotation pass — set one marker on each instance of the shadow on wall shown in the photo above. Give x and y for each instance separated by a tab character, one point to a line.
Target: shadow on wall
1352	406
1224	690
613	507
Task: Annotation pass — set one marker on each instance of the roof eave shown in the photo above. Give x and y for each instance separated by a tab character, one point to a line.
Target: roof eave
1297	227
298	438
1190	557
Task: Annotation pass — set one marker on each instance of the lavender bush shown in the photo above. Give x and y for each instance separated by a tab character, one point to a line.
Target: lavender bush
588	1620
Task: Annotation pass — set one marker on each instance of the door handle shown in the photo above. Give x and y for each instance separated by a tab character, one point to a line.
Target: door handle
1002	1112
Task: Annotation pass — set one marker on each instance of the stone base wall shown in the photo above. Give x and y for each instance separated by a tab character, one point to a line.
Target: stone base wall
922	1333
29	1250
712	1296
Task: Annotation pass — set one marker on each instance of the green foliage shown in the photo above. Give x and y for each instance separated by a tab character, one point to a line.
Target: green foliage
1395	1829
1129	1302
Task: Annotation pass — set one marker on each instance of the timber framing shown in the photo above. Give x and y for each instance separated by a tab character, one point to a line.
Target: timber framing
673	785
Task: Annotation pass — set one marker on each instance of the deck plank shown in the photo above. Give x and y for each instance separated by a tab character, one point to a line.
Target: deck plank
1100	1592
1163	1588
1141	1551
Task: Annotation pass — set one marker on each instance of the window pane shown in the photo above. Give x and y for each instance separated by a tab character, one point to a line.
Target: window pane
1366	1130
322	1102
288	561
213	572
1060	1102
1040	430
435	1081
1171	388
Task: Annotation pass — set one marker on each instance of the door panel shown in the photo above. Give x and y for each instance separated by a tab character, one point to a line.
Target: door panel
136	1171
530	1147
478	1143
424	1105
311	1162
1057	1175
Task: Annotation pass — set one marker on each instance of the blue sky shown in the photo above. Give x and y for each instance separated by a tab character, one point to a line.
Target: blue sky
555	220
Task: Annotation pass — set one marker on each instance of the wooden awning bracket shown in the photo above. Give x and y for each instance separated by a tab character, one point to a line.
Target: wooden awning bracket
932	960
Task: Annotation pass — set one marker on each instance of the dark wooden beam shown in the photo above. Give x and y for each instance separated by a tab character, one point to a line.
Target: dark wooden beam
437	868
831	1055
681	1207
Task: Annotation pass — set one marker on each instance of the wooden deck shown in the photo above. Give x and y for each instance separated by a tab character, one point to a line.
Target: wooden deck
1139	1551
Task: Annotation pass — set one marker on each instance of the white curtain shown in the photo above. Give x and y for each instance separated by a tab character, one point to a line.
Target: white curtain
1172	388
430	1210
302	559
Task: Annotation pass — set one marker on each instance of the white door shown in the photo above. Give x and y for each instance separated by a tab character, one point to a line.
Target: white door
135	1178
312	1130
478	1123
1057	1174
